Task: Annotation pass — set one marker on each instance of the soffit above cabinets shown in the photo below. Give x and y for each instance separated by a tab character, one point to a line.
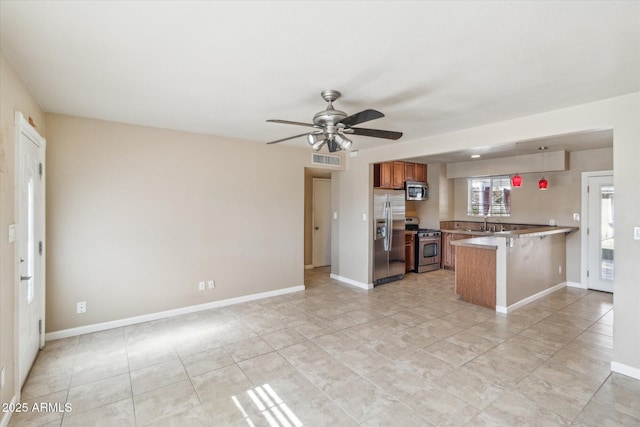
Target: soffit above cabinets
577	141
540	162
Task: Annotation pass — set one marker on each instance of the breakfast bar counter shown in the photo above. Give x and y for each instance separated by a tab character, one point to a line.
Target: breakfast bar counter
508	269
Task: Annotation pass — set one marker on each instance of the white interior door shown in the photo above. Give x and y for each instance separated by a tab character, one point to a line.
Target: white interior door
600	233
30	241
321	222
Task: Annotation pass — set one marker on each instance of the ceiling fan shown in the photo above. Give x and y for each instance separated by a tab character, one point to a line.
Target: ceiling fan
331	126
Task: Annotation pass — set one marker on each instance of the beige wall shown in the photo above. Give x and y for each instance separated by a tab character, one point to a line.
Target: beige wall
529	205
429	210
532	266
138	216
14	96
620	114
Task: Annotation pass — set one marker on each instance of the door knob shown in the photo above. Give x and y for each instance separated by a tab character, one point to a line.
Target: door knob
25	277
317	228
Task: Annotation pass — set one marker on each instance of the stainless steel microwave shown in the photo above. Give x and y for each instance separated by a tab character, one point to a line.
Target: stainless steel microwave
416	190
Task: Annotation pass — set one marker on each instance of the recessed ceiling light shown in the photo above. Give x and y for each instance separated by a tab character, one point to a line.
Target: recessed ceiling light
475	156
542	148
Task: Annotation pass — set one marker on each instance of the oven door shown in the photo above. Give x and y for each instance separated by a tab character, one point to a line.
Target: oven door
428	256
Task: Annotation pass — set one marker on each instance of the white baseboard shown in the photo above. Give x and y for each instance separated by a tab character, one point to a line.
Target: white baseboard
576	285
627	370
6	417
503	309
308	266
97	327
352	282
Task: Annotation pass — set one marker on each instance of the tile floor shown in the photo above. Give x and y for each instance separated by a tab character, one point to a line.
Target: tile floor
405	354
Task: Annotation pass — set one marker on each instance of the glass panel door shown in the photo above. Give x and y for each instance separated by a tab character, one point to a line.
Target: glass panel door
606	232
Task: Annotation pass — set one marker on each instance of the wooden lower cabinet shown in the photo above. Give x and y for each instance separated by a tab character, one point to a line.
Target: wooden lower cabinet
409	252
476	276
448	258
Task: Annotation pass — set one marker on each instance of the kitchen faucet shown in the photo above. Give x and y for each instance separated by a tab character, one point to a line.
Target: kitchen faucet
484	224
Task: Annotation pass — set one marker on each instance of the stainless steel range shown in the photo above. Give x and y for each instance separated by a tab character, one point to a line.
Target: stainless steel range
428	243
427	249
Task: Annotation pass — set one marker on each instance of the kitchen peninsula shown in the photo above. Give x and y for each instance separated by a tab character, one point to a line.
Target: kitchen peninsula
505	270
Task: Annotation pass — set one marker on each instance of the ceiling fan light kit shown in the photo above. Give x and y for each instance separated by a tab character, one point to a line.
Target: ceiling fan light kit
332	125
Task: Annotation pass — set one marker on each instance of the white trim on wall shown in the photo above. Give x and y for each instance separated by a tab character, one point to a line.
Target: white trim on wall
6	417
576	285
503	309
97	327
355	283
627	370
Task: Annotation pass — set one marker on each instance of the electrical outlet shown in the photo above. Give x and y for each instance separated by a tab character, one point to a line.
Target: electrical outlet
559	269
81	307
211	284
201	286
552	222
576	216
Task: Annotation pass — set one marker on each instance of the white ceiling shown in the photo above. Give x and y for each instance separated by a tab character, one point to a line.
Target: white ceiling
223	68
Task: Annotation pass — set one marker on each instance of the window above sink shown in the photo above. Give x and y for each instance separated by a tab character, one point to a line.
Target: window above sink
489	196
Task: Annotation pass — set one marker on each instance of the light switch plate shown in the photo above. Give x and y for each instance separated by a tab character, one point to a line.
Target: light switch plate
636	233
12	233
576	217
364	216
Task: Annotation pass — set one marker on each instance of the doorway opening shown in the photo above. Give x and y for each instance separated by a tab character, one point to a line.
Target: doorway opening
598	240
317	218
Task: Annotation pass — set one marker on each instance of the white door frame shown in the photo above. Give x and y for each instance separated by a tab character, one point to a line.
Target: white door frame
584	224
23	127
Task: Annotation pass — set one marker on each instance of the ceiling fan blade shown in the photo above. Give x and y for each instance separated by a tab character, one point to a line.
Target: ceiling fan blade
361	117
286	139
288	122
377	133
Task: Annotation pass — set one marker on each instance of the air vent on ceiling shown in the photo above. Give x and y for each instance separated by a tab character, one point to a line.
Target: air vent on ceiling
325	159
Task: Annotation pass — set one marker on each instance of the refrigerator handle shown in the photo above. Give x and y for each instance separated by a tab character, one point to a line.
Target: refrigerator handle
389	227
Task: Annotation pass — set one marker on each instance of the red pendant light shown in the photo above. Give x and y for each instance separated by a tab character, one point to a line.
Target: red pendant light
516	181
543	184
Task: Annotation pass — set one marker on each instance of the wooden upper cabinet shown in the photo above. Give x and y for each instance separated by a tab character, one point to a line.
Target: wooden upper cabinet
383	175
393	174
415	172
420	172
398	175
409	171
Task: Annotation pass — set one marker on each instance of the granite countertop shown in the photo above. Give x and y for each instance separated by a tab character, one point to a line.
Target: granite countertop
492	240
486	242
525	232
537	231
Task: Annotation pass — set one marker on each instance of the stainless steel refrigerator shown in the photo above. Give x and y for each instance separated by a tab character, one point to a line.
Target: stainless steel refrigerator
388	240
